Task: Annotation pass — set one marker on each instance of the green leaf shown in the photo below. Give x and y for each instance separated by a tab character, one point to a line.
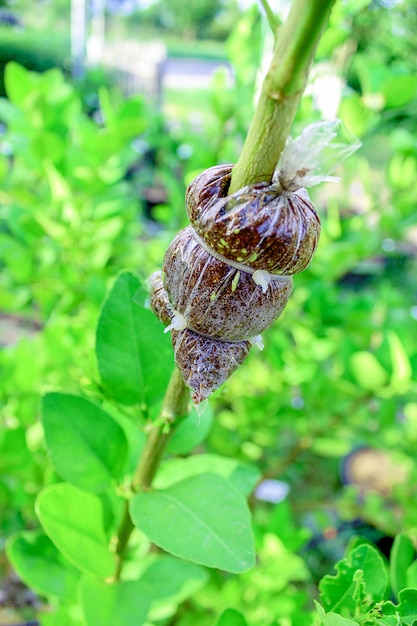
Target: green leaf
191	432
367	370
19	83
208	521
167	575
172	581
399	90
406	609
41	566
402	371
87	447
241	475
331	447
407	606
231	617
116	604
59	187
412	575
361	579
134	356
75	521
401	556
355	115
332	619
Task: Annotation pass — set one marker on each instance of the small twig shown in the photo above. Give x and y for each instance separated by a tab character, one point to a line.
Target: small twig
273	21
281	92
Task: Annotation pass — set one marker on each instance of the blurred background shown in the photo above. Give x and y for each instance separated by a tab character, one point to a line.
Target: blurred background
108	111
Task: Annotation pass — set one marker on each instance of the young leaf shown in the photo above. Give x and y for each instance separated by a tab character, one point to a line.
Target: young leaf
74	521
368	371
402	372
231	617
134	356
87	447
407	606
401	556
202	519
41	566
191	432
406	609
412	575
333	619
172	581
361	578
19	83
116	604
241	475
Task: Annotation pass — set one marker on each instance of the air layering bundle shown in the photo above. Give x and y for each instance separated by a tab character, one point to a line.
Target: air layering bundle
228	275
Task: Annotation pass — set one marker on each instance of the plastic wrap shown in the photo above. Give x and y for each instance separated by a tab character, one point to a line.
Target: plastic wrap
217	300
259	227
205	363
308	159
227	277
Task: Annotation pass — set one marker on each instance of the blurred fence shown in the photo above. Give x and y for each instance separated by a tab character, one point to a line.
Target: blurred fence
136	67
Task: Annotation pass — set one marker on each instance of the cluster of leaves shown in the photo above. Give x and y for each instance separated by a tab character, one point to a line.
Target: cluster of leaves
93	447
362	589
56	158
70	218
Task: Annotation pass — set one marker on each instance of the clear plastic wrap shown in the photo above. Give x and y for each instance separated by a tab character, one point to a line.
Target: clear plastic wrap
205	363
259	227
217	300
227	277
308	159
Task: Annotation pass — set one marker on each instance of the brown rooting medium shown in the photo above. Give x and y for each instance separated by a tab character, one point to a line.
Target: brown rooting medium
205	363
217	300
261	226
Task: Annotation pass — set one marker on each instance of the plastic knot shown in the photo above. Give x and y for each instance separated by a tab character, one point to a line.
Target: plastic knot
262	278
178	322
257	341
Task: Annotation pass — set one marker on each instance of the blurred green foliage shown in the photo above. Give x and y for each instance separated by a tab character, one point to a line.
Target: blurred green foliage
196	20
329	407
32	50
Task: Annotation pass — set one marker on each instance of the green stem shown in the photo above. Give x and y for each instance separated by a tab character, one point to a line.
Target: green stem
281	93
273	20
174	408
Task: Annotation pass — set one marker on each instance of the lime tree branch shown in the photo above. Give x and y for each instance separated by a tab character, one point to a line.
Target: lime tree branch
174	408
281	92
282	89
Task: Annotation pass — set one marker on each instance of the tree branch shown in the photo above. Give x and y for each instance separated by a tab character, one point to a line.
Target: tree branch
174	408
281	93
